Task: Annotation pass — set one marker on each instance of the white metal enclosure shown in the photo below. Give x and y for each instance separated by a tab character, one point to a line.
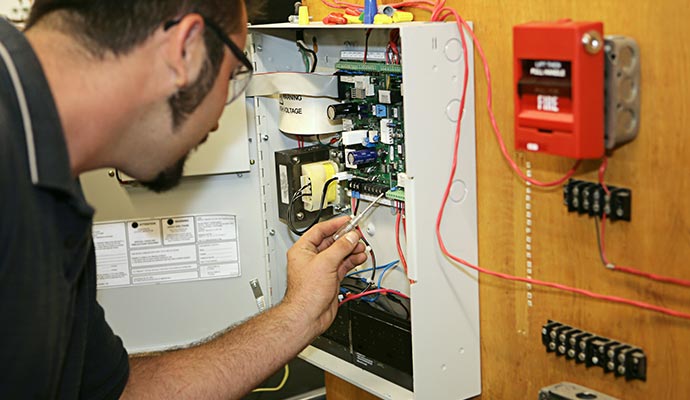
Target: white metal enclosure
445	309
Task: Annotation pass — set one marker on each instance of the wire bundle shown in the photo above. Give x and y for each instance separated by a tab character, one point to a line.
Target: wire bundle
439	12
377	291
298	195
309	55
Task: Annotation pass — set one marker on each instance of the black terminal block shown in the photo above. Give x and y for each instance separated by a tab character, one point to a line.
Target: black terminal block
590	198
367	187
594	350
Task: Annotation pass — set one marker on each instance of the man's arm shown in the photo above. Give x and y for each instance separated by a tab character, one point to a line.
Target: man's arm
234	363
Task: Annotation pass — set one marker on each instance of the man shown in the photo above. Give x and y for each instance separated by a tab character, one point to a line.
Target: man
133	85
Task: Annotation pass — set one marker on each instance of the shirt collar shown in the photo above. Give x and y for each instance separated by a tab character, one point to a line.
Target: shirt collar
48	158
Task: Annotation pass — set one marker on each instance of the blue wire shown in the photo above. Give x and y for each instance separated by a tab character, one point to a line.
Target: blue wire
385	268
388	267
370	269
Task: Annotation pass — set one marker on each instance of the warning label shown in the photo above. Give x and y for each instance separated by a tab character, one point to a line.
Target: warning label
165	250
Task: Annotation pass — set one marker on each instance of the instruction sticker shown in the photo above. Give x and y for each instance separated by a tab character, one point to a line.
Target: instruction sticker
166	250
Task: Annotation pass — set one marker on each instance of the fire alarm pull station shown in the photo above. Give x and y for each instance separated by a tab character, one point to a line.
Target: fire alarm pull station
559	88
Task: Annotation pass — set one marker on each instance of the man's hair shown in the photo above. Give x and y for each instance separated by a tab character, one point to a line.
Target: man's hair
118	26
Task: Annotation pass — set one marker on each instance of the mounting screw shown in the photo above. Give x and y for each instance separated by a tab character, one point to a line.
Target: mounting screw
571	353
595	360
610	365
300	216
621	370
592	42
111	173
272	232
252	162
295	160
581	357
552	346
265	138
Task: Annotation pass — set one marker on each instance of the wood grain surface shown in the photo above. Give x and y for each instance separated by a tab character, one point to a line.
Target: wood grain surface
563	246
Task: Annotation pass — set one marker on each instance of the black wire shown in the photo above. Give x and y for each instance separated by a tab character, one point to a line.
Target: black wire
297	195
316	59
289	216
318	215
373	257
596	228
313	55
371	249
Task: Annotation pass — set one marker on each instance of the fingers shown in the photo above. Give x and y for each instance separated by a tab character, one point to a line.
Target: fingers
350	263
340	249
323	231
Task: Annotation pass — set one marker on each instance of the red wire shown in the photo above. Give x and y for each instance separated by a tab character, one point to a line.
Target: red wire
366	44
412	4
404	220
489	107
341	4
462	26
369	292
620	268
421	4
397	241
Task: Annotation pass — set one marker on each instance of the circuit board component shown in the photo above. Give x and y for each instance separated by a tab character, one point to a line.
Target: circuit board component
373	138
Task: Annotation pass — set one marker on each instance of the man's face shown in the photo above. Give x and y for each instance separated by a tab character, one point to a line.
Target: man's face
198	113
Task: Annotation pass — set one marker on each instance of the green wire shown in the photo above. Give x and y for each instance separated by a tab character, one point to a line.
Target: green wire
305	58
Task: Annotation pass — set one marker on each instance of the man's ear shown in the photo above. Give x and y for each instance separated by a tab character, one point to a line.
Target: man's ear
186	50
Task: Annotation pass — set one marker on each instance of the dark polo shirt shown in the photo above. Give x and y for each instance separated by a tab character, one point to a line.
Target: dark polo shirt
54	340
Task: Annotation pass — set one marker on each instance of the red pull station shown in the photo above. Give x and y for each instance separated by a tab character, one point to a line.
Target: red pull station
559	88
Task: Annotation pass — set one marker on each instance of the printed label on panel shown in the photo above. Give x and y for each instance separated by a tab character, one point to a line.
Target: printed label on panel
166	250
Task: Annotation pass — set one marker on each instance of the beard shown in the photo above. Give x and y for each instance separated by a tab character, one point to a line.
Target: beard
168	178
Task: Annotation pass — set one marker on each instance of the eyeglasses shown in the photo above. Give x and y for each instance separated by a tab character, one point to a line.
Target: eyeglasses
242	74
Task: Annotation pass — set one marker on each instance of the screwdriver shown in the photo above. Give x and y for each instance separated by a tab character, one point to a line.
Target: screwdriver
350	226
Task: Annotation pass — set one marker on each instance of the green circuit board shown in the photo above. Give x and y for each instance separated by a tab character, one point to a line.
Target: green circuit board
377	90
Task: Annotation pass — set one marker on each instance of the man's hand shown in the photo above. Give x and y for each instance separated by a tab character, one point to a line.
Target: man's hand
230	365
316	265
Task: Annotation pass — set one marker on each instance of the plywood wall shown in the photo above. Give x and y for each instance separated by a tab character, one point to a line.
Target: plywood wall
655	166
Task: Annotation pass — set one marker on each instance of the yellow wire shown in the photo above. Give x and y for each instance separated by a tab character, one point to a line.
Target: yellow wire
280	386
